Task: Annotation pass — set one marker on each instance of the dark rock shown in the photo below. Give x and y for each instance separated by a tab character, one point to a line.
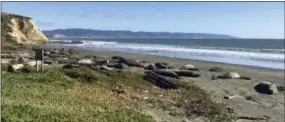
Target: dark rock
121	66
160	66
216	69
166	73
266	88
187	73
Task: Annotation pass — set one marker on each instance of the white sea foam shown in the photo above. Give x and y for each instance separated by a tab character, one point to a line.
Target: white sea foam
184	50
97	42
189	52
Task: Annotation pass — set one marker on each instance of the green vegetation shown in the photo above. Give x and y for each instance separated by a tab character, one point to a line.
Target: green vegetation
5	21
82	94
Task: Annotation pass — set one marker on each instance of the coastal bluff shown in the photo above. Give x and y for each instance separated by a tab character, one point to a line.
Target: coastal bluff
17	29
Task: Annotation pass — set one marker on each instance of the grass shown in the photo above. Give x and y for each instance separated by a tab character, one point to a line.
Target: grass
53	96
83	94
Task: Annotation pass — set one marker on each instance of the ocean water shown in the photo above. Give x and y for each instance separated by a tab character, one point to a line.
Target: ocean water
268	53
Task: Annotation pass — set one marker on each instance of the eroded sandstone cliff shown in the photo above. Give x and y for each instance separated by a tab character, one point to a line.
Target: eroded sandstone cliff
20	30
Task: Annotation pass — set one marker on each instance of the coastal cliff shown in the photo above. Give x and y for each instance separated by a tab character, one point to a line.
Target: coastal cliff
17	29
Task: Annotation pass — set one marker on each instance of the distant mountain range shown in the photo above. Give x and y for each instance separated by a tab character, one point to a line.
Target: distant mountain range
130	34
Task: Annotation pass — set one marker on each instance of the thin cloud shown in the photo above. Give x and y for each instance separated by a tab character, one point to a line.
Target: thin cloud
115	14
42	23
159	15
84	15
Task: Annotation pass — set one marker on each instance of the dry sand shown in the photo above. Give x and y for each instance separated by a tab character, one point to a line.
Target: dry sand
270	106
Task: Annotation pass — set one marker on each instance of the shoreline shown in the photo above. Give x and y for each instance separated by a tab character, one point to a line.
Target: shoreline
275	75
246	62
109	52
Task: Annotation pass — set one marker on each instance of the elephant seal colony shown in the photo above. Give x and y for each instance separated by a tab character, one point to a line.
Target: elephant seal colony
246	90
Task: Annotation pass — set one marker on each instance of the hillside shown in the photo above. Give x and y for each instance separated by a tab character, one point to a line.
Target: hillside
17	29
131	34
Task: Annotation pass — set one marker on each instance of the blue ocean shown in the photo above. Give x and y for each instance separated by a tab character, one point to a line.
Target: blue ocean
268	53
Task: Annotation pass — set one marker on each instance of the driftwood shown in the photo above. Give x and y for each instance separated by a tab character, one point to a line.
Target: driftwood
166	73
160	81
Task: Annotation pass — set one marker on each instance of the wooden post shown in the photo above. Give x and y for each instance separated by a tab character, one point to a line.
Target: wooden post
37	65
42	65
39	56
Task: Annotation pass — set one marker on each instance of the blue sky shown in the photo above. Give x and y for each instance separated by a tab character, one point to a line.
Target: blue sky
241	19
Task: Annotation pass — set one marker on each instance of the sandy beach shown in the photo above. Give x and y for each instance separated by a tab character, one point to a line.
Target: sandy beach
248	102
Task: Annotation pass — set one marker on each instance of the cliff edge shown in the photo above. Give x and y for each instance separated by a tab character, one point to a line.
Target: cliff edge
17	29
